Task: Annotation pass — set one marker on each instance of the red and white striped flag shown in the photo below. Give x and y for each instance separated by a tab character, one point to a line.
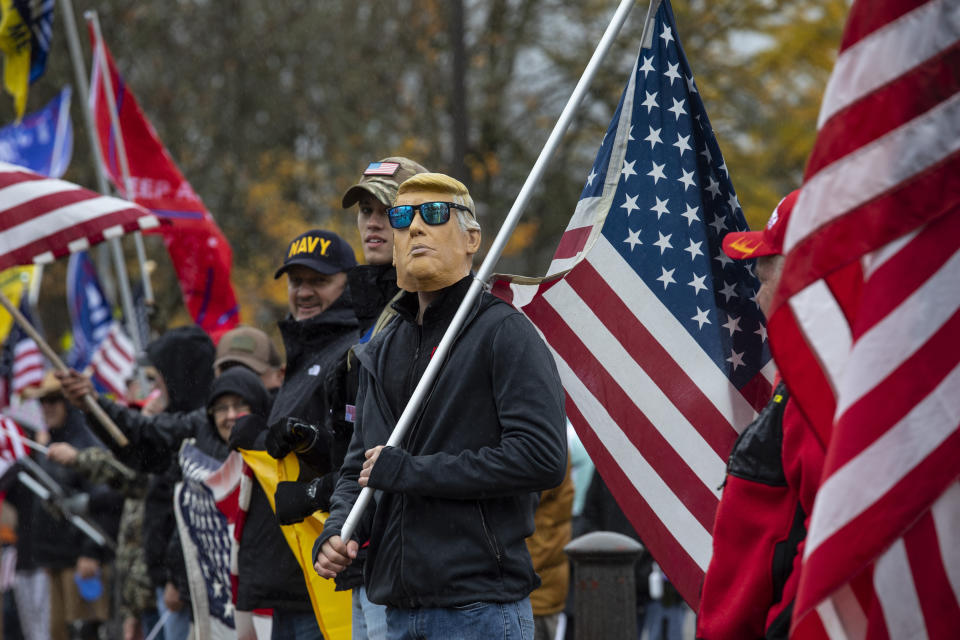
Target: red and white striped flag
114	360
865	325
27	365
11	443
42	218
21	362
657	336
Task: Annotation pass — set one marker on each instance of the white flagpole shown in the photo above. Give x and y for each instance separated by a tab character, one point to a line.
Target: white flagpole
73	41
94	20
496	249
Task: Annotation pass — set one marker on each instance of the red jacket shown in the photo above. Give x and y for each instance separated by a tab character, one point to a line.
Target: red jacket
772	478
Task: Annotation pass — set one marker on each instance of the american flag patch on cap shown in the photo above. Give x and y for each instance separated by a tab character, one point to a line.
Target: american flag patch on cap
381	168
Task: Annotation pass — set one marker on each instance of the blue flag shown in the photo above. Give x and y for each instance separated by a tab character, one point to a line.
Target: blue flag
43	141
90	311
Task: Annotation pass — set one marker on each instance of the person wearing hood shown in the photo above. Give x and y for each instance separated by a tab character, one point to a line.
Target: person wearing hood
181	365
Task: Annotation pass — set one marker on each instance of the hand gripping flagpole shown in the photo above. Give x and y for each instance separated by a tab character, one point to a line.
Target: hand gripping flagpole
89	403
493	255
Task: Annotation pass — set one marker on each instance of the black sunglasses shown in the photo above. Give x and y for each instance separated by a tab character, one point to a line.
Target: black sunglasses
433	213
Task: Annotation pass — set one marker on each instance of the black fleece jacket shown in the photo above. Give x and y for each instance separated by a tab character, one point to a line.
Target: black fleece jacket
454	505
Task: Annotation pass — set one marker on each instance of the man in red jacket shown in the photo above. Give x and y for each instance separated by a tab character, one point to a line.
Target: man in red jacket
772	478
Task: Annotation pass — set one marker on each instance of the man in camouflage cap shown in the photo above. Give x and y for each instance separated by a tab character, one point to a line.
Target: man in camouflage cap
373	285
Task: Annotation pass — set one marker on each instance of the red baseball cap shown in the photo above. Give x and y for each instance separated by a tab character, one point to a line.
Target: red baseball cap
741	245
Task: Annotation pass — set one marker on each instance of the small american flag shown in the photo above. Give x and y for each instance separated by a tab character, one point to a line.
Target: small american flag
381	169
42	219
657	335
114	360
865	327
21	362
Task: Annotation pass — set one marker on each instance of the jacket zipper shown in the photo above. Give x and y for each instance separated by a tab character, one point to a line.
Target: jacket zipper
491	539
411	384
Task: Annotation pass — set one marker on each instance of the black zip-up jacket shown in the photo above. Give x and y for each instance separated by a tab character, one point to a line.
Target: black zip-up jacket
313	347
454	505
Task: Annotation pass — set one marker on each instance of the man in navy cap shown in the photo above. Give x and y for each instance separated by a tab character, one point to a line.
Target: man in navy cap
320	328
316	266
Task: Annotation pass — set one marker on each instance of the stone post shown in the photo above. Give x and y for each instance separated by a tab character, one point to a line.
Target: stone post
605	600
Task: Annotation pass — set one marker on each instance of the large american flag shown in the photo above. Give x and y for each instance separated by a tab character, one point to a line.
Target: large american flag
865	327
656	332
42	218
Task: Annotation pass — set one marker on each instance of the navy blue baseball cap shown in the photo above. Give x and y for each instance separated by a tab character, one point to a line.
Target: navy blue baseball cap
322	251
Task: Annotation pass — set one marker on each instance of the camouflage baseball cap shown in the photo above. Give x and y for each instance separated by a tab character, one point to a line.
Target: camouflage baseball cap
381	180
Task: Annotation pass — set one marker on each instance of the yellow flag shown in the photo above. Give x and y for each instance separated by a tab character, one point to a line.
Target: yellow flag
15	44
332	608
13	283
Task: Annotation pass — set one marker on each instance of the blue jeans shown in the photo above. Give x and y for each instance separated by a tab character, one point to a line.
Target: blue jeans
664	623
177	624
475	621
294	625
369	619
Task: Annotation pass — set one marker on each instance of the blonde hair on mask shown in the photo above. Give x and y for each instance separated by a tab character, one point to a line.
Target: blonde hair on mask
442	183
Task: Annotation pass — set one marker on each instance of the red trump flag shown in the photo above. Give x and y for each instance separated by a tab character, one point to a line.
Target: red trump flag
200	253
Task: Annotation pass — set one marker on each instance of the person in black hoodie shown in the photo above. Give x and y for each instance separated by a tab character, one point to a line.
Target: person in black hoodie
181	361
454	506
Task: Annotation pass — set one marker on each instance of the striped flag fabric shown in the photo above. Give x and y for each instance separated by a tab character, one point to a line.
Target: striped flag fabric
11	443
42	218
114	361
864	328
21	362
656	332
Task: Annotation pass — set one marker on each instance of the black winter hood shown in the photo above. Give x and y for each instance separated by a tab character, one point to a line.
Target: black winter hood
184	357
246	384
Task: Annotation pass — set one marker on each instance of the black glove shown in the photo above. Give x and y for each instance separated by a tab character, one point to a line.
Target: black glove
297	500
246	431
293	434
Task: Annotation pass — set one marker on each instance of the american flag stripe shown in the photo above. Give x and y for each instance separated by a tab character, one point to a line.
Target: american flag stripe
879	167
113	361
867	337
680	537
11	440
935	595
887	39
637	351
667	449
610	443
27	365
42	219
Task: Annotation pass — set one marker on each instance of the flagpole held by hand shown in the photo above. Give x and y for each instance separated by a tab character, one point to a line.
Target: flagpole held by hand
493	255
90	404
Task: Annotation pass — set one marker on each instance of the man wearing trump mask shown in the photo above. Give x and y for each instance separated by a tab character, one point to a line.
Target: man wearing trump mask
455	502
